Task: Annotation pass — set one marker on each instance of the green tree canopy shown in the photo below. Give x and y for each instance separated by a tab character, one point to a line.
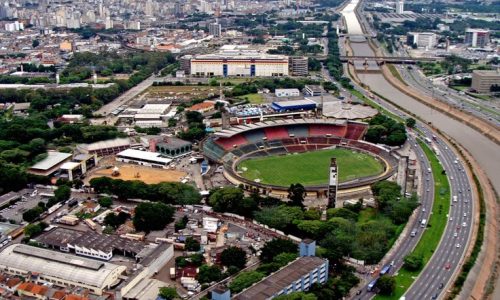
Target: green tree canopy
209	274
386	285
192	244
244	280
275	247
296	194
279	217
168	293
152	216
234	256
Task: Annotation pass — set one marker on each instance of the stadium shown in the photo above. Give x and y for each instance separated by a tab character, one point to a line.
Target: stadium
278	150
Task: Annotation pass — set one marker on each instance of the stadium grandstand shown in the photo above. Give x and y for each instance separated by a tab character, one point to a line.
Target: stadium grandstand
233	145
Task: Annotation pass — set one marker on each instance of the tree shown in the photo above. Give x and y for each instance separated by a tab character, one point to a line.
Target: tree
168	293
208	274
410	122
32	214
386	285
275	247
62	193
296	194
226	199
244	280
284	258
115	220
297	296
279	217
192	244
181	224
32	230
152	216
234	256
105	201
413	261
342	212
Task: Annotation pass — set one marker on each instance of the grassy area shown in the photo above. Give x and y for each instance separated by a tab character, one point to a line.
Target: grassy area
310	168
435	226
465	88
431	68
253	98
234	81
396	74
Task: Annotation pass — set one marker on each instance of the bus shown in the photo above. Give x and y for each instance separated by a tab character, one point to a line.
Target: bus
90	224
385	270
371	285
47	195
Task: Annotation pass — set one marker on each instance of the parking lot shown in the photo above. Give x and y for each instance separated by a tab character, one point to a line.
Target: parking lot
29	198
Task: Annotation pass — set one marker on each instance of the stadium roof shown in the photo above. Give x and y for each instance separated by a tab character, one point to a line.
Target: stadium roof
54	158
277	281
67	267
143	155
341	110
283	122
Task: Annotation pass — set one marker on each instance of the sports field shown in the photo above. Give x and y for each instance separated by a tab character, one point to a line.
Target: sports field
309	168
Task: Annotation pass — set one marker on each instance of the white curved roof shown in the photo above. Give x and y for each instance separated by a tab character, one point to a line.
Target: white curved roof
59	265
348	111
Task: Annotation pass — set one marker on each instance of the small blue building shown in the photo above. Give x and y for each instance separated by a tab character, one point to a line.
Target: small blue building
294	105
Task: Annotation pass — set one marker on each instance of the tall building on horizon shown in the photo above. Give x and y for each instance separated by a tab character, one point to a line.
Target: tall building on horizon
477	37
400	6
215	29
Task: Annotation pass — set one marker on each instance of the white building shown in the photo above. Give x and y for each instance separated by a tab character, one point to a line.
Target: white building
239	63
422	39
400	6
16	26
287	92
60	269
143	158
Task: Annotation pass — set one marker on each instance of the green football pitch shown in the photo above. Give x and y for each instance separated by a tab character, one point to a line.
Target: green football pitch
309	168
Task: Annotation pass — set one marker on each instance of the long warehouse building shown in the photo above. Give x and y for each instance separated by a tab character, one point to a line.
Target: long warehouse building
61	269
239	63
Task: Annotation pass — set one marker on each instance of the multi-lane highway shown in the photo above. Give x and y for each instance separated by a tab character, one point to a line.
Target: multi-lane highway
437	274
446	259
480	108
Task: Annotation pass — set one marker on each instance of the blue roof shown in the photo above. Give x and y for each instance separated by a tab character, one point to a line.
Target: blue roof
305	104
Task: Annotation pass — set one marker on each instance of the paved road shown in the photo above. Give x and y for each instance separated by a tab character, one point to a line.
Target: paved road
445	260
122	100
481	109
447	257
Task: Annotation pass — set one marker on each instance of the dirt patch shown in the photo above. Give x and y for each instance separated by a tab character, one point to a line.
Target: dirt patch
146	174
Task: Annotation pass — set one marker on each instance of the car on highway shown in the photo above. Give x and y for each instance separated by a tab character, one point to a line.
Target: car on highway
458	246
413	233
441	286
465	215
464	224
455	234
447	266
